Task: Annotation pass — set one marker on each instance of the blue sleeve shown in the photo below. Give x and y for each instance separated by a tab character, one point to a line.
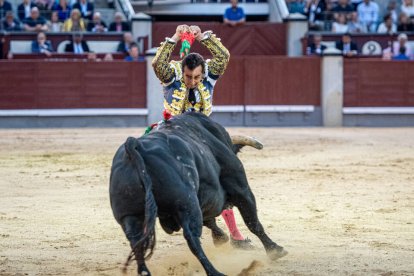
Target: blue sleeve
35	48
242	13
226	14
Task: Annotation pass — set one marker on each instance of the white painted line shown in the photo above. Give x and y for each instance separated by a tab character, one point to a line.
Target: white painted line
228	108
280	108
73	112
378	110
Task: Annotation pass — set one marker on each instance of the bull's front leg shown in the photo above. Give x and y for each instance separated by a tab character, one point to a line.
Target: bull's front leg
219	237
247	208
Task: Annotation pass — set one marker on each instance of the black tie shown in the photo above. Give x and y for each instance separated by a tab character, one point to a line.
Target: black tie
192	97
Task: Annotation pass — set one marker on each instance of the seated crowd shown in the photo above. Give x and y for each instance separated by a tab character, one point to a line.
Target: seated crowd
76	16
356	16
52	16
398	50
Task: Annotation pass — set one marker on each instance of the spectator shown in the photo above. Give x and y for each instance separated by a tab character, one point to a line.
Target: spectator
35	23
404	23
125	44
11	24
368	15
387	27
316	47
343	6
77	45
133	53
44	5
63	9
296	6
75	23
24	9
234	15
97	25
355	4
347	46
340	25
54	25
119	25
399	50
5	6
392	9
354	26
408	8
41	45
314	10
85	7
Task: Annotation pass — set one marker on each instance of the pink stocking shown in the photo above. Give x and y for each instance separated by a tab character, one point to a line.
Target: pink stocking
228	217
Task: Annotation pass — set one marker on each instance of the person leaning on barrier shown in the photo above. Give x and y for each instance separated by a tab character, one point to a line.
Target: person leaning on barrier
188	86
234	15
126	42
315	47
41	45
347	46
77	45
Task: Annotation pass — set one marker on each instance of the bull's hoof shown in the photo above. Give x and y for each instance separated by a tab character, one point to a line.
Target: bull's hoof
245	244
219	238
277	253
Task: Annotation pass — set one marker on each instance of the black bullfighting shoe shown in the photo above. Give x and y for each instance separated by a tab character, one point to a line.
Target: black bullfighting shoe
245	244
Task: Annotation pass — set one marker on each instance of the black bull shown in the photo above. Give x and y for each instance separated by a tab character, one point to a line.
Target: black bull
186	173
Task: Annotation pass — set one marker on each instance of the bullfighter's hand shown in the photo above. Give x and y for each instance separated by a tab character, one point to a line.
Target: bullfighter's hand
180	29
196	31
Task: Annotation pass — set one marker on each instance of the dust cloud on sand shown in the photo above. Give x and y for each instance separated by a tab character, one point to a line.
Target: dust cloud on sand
341	201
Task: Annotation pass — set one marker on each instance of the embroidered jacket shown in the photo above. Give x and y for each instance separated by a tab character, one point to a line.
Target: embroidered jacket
171	76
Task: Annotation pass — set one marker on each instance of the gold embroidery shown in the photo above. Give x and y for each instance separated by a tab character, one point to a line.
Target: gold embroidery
164	72
221	55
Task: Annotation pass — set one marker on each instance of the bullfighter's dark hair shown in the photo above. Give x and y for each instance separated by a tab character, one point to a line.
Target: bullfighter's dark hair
192	61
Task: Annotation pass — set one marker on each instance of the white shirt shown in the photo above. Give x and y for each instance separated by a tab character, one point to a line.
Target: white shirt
408	10
27	9
368	13
77	48
382	29
339	28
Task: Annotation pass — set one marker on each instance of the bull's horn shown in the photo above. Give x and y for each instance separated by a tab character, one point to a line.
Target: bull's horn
247	141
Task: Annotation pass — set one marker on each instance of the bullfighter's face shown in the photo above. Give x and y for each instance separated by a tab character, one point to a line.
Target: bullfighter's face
193	77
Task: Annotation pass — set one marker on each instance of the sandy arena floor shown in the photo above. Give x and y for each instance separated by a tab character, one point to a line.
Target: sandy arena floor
341	201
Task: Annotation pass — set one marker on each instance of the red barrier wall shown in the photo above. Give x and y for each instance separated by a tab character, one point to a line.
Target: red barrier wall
373	82
72	84
249	39
265	80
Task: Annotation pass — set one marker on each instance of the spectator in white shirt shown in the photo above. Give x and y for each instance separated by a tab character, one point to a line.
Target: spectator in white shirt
408	8
340	25
387	27
368	14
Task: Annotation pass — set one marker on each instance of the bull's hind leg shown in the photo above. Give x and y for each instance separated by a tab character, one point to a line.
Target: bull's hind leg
244	200
133	229
219	237
190	218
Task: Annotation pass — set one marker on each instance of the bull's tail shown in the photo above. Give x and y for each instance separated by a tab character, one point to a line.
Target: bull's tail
147	242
